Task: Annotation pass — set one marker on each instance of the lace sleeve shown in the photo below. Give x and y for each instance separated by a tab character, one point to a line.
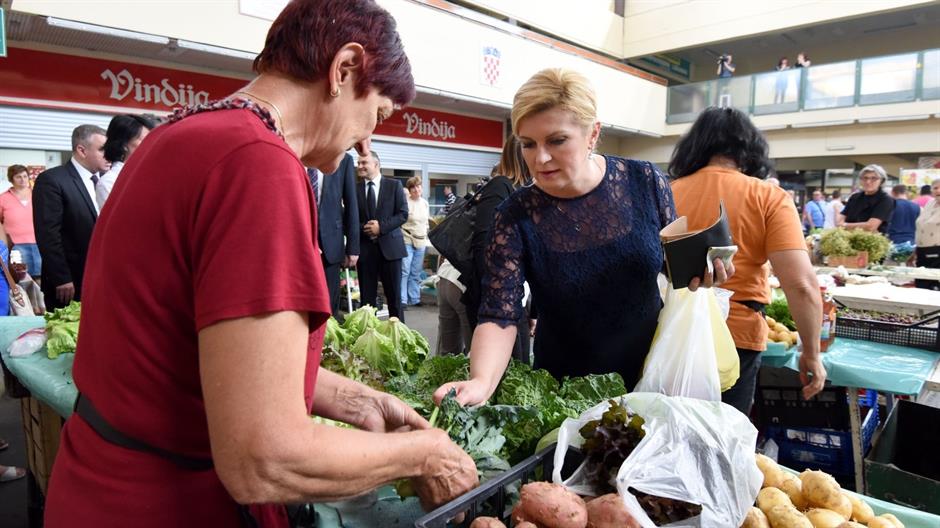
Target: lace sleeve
663	195
502	284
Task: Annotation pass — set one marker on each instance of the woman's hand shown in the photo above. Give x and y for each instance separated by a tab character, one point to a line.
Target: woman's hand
812	365
719	277
470	392
381	412
448	473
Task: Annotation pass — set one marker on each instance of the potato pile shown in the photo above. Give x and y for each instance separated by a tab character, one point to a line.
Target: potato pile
812	500
547	505
779	333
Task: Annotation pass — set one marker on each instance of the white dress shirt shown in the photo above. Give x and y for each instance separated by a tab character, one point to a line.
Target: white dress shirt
378	183
106	183
85	175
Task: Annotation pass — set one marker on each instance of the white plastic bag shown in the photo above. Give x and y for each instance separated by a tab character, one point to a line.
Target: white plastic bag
696	451
692	353
28	343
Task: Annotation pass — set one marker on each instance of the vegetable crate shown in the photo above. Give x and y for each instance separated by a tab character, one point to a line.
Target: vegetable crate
778	402
495	497
42	426
829	450
922	334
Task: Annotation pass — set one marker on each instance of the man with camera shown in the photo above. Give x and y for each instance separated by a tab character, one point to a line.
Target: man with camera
725	66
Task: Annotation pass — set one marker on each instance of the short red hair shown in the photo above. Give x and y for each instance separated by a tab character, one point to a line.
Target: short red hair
307	34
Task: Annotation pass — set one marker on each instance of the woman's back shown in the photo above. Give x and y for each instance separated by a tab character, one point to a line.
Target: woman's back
763	220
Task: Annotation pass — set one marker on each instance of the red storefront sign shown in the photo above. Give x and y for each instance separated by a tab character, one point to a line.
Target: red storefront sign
55	77
432	125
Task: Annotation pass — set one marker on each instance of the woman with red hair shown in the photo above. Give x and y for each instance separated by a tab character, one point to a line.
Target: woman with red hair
198	362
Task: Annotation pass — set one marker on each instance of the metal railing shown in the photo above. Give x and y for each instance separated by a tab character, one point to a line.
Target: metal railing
874	80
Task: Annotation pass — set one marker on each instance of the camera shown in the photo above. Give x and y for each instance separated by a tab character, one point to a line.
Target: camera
722	59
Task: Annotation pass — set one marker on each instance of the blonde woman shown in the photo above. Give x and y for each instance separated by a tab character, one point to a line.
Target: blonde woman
585	237
415	233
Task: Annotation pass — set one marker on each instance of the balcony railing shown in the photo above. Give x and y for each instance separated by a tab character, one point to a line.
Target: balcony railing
874	80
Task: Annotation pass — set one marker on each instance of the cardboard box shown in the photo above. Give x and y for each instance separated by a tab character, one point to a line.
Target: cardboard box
42	426
904	464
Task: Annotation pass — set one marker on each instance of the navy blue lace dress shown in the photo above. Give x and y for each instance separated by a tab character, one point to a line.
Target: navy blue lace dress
591	263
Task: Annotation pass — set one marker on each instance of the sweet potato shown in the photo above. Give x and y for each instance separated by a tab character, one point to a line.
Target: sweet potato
608	511
773	475
755	519
822	491
786	516
487	522
793	487
885	520
767	498
850	524
552	505
823	518
861	511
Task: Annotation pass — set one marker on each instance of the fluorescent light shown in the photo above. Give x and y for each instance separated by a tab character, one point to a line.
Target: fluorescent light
893	118
823	123
216	50
107	31
840	147
772	127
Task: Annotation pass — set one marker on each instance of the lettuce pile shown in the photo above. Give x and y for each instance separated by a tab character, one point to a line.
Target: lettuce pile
371	351
62	329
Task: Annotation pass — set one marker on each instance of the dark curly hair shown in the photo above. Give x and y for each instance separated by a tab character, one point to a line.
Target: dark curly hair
725	132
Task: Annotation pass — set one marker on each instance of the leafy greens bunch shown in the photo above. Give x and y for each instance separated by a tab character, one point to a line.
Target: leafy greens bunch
62	329
366	349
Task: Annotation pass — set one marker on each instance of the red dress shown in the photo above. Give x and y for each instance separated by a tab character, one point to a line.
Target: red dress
213	218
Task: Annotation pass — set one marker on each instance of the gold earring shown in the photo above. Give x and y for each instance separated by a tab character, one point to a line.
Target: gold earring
334	92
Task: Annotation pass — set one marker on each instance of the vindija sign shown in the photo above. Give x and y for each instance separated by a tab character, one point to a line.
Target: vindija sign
31	77
443	127
124	85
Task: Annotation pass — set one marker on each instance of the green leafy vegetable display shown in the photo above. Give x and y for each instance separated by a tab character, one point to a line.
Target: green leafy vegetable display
840	242
62	329
779	311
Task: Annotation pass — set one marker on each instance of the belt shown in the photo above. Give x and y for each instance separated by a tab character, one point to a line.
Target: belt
758	307
85	409
88	412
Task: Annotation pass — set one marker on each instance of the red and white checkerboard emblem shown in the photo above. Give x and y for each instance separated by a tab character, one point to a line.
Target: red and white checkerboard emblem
489	66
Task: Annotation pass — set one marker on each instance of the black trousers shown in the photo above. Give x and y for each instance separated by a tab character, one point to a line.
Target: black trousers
332	284
741	394
372	268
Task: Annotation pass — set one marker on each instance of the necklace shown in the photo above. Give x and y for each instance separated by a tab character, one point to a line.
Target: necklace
280	118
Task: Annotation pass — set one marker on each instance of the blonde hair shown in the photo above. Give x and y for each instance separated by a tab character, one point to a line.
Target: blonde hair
555	88
511	164
413	182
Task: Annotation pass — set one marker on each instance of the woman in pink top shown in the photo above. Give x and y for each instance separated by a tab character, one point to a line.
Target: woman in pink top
16	213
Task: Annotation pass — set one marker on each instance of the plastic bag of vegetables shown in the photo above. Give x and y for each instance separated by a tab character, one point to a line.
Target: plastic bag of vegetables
692	353
693	451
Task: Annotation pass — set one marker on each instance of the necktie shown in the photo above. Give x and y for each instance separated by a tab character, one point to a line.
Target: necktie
370	200
94	179
316	187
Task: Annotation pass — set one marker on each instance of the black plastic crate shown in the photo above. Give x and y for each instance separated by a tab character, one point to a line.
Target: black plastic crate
494	497
921	334
778	401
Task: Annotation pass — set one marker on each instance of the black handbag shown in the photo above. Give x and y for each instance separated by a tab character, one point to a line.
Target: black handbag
453	236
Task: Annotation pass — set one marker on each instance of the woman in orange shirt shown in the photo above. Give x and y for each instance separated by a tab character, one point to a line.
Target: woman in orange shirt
724	158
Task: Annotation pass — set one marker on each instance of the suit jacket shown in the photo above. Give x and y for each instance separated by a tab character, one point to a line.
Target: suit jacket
338	212
391	211
64	217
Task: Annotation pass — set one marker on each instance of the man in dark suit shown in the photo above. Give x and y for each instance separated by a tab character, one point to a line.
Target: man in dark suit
382	211
338	219
64	215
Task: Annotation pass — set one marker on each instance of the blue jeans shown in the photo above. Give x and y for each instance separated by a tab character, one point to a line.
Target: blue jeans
31	258
411	267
